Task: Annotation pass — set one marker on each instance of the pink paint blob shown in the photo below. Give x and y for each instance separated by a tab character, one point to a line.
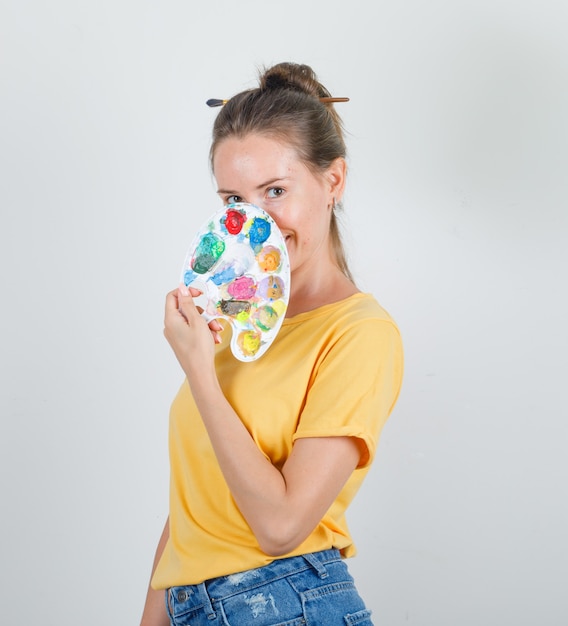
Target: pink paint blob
243	288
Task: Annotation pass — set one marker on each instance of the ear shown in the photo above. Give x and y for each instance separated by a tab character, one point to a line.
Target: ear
335	176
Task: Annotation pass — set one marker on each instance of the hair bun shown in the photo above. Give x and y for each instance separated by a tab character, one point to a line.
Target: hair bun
292	76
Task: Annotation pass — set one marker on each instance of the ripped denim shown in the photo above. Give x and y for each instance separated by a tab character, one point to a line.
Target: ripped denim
310	590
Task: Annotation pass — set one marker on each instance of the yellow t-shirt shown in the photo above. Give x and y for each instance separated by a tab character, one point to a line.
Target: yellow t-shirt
334	371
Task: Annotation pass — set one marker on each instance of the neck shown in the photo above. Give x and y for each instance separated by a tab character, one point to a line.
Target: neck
313	291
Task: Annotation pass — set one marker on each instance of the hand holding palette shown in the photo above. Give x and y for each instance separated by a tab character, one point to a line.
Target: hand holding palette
239	261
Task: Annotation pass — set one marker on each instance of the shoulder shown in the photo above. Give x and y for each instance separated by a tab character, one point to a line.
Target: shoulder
356	310
357	327
363	307
362	323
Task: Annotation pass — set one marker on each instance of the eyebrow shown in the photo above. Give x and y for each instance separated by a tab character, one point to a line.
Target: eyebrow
261	186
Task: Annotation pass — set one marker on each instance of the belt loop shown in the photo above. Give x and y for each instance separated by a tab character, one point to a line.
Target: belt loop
319	567
207	602
169	607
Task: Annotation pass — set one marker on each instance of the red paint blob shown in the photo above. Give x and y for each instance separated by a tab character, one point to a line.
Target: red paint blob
234	221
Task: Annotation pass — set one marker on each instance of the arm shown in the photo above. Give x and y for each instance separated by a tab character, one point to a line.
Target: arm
154	613
309	481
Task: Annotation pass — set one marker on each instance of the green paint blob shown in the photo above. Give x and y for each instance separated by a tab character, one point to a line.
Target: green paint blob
208	252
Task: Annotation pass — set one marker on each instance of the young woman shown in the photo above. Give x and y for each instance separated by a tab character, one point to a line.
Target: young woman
267	455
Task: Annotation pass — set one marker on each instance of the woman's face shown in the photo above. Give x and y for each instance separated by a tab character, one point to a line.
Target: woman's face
267	172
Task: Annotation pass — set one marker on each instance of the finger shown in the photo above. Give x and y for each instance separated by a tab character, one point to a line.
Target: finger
215	326
185	296
173	310
187	305
184	290
172	301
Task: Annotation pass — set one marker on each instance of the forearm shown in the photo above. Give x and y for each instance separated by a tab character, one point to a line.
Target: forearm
281	507
258	487
154	613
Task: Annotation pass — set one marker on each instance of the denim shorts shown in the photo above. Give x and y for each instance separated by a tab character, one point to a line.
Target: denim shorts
310	590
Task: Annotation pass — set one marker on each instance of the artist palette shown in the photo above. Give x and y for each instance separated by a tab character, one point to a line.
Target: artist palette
239	261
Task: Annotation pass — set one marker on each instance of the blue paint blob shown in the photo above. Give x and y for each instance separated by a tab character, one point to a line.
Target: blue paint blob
189	277
226	275
259	231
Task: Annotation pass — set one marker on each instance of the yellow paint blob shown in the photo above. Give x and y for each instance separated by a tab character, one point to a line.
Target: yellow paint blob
249	342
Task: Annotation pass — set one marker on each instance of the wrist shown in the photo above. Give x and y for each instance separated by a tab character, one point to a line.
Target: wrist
202	379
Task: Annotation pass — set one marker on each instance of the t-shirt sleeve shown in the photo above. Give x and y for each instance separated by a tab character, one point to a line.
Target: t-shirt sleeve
356	385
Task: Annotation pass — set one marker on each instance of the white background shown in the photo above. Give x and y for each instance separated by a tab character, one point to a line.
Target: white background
456	219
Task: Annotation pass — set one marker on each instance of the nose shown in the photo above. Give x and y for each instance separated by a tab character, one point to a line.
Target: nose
275	217
273	214
262	205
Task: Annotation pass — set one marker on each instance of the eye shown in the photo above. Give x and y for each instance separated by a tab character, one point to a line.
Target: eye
275	192
233	199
